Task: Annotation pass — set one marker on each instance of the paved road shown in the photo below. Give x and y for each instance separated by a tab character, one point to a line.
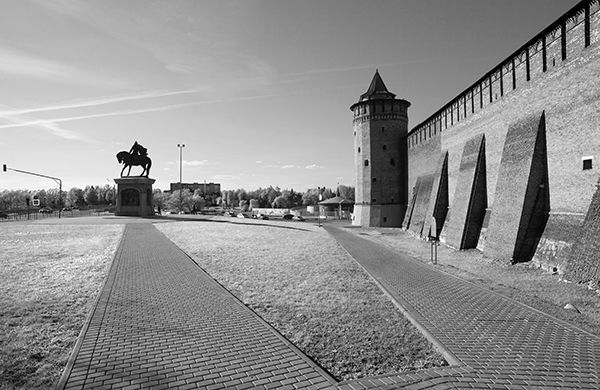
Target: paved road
162	322
492	341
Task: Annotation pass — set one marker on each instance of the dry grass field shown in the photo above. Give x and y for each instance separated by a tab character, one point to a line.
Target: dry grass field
50	276
299	280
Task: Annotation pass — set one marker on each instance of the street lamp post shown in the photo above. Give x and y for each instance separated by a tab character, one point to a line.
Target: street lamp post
320	199
180	146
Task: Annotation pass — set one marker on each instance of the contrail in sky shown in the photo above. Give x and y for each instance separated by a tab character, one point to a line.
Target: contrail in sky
100	101
52	127
159	94
40	122
50	124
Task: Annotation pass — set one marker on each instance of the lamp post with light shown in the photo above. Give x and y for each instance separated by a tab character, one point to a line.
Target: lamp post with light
180	146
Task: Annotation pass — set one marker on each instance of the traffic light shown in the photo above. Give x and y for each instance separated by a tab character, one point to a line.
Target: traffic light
4	167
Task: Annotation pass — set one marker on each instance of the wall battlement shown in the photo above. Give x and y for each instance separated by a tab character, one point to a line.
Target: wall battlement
509	166
560	43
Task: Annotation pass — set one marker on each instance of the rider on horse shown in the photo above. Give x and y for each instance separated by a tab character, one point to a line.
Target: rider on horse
138	150
137	155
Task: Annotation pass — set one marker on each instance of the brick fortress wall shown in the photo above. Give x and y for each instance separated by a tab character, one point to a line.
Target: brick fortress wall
556	73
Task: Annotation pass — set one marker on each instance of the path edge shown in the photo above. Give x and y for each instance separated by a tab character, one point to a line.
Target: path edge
60	385
452	360
332	381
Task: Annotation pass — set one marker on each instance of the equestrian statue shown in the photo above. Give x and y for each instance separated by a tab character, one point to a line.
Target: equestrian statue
137	155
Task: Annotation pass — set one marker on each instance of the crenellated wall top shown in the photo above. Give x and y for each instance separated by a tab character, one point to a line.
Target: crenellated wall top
503	78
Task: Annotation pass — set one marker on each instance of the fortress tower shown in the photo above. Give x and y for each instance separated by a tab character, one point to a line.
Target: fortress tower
380	156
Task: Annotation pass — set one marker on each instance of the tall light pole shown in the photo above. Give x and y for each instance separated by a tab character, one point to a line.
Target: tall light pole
180	146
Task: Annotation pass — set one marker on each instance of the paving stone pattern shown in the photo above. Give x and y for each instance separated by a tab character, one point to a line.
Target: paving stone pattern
162	322
496	341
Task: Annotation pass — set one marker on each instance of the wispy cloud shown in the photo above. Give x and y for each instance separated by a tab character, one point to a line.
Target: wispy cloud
194	163
225	177
289	166
24	64
311	166
314	72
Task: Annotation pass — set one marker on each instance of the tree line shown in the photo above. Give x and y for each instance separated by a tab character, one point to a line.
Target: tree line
73	198
187	201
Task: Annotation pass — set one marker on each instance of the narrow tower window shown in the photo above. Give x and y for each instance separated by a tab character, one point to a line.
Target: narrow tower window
392	162
359	149
383	129
384	147
587	163
374	180
366	163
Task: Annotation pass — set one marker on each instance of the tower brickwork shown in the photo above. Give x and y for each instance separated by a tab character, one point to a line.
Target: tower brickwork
380	156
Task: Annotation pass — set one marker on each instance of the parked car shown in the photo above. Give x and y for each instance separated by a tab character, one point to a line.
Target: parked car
262	216
3	215
288	216
45	210
299	218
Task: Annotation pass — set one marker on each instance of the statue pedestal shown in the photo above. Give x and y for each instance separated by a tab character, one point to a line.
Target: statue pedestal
134	196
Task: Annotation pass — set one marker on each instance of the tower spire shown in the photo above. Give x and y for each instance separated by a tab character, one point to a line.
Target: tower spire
377	88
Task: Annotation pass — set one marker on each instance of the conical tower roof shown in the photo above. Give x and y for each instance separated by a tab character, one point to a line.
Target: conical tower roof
377	89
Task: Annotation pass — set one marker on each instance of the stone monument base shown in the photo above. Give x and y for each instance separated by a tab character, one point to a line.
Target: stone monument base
134	196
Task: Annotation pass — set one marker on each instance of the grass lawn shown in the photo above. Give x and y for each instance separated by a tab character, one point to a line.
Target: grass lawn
521	282
50	276
300	281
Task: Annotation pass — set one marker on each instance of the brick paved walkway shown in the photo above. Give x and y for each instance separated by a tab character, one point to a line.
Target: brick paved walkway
161	322
492	341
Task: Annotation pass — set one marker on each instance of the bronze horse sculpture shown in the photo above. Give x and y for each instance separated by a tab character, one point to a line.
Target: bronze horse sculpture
129	160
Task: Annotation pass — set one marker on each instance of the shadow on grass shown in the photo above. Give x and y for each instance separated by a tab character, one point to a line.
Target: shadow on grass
204	219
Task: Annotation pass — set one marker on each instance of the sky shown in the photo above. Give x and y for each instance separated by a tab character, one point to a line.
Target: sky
258	90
